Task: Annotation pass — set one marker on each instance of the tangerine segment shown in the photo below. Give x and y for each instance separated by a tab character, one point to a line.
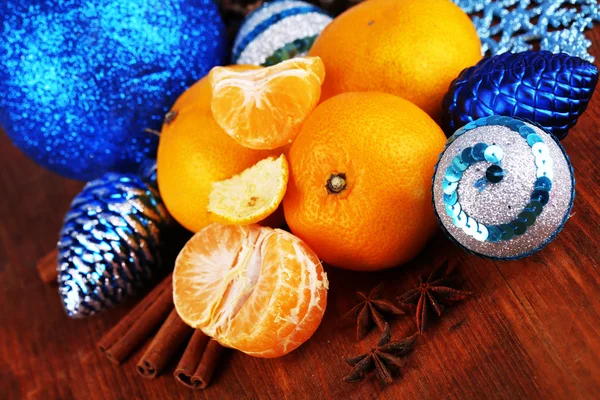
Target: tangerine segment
250	196
258	290
265	108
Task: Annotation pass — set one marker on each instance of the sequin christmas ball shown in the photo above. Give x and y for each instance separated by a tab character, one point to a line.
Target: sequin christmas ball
110	243
552	90
277	31
503	188
83	82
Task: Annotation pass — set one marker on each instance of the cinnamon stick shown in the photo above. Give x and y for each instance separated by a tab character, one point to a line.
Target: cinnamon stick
206	368
167	341
133	329
191	358
47	267
196	367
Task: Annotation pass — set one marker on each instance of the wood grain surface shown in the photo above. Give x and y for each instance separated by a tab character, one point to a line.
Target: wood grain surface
530	331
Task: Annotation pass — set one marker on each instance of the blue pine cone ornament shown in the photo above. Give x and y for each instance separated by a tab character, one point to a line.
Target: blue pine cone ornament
110	243
551	90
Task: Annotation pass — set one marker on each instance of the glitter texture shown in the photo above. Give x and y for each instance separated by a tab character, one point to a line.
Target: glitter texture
81	81
552	90
513	25
110	243
274	25
502	202
490	206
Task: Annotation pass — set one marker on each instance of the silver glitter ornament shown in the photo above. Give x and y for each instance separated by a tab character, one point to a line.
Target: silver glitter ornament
512	25
110	243
503	188
277	31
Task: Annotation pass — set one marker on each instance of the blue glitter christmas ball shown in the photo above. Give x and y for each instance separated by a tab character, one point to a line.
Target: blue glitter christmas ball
110	243
551	90
277	31
84	82
503	188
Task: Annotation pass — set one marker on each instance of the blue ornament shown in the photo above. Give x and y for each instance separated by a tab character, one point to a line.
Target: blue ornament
277	31
148	173
84	83
552	90
502	188
512	25
110	243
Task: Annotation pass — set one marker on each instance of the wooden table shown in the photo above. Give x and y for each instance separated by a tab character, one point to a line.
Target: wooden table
530	331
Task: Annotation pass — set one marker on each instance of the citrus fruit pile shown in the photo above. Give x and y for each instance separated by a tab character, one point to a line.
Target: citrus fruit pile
351	167
193	153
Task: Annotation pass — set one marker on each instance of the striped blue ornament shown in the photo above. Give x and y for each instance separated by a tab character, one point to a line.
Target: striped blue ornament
277	31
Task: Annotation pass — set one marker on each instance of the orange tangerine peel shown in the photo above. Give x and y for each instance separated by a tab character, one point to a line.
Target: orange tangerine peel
265	108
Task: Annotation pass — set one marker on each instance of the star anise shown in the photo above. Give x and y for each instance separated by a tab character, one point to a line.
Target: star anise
370	310
436	292
383	358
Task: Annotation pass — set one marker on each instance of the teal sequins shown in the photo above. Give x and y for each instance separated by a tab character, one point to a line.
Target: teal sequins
478	151
449	187
536	207
533	139
494	173
525	131
527	217
450	199
493	154
543	183
458	164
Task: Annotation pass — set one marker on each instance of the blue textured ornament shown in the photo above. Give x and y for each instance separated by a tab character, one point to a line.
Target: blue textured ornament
110	243
552	90
512	25
83	83
502	188
277	31
148	173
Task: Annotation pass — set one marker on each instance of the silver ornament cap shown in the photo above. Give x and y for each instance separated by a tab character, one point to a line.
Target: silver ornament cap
503	188
110	243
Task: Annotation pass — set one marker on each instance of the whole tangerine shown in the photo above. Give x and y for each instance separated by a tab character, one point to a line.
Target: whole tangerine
359	191
411	48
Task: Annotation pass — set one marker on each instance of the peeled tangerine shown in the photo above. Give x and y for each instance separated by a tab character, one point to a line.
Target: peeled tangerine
255	289
265	108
